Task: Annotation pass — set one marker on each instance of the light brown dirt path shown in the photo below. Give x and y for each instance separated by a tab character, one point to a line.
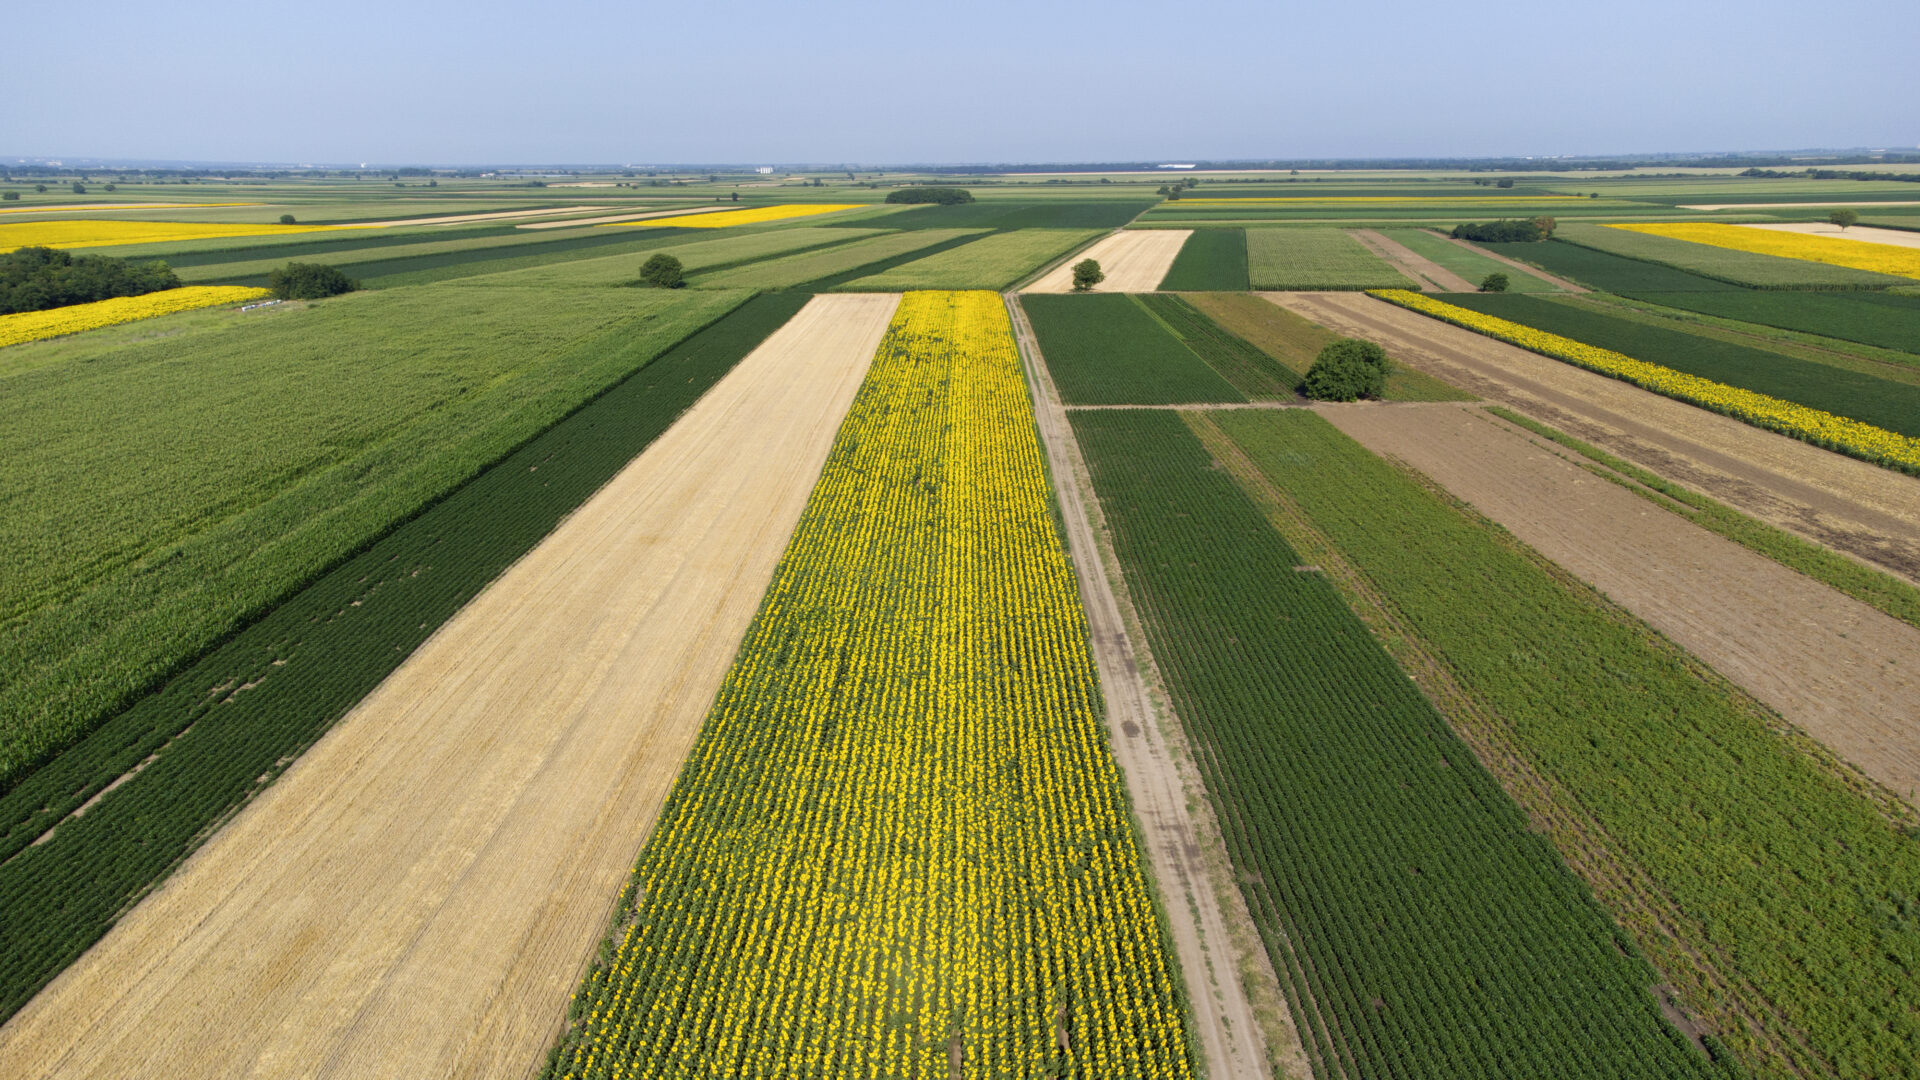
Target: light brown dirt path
1534	271
1844	673
1134	260
417	897
1432	276
1243	1024
1864	511
1865	234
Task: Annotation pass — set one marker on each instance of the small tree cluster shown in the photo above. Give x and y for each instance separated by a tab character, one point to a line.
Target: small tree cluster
38	278
942	196
1087	274
1347	370
1494	282
309	281
662	271
1506	231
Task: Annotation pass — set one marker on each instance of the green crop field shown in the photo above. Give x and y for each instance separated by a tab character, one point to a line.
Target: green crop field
1212	260
1254	373
187	483
1466	262
1883	403
325	646
1780	874
697	254
1739	267
1108	349
785	273
1293	342
1301	259
1380	861
994	261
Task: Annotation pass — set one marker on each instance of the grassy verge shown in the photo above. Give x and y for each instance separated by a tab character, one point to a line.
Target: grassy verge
236	718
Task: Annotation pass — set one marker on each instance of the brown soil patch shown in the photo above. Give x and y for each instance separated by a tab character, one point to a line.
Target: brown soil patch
1432	276
1866	234
419	894
1134	260
1861	510
1242	1021
1844	673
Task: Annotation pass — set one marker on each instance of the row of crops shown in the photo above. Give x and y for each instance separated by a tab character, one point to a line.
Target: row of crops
237	717
900	846
1779	903
1418	926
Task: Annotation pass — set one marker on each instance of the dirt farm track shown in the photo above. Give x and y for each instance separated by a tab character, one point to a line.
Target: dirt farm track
419	894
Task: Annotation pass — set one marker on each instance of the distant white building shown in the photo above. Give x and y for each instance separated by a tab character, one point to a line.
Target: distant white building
1188	165
765	170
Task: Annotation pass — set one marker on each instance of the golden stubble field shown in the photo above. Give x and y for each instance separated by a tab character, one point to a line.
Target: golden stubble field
419	894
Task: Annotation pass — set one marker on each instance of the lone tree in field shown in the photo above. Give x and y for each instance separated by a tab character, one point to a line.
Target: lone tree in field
1844	218
1087	274
1494	282
662	271
1347	370
286	219
309	281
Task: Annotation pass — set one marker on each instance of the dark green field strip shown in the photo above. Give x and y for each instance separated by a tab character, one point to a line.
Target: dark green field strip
1419	927
1252	372
1052	214
1889	321
1212	260
1885	320
237	718
441	266
1105	349
1865	584
1794	883
828	282
1883	403
324	244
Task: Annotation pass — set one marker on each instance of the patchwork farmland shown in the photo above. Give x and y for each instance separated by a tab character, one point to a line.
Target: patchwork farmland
1393	624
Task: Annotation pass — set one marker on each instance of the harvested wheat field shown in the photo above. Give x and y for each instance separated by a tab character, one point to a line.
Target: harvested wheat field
1843	672
1134	260
1867	512
419	894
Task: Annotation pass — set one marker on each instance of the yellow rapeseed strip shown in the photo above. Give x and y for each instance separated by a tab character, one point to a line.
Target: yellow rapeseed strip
1839	433
96	232
1858	254
721	219
1393	199
900	840
36	325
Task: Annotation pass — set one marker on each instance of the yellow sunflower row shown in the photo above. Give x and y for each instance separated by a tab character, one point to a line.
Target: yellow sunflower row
899	848
1832	250
36	325
1839	433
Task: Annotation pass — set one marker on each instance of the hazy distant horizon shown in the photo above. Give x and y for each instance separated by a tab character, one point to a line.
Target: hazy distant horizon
996	83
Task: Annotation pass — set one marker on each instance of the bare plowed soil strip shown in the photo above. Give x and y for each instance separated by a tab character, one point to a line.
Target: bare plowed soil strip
1845	673
1432	276
1867	512
1134	260
1242	1024
419	894
1865	234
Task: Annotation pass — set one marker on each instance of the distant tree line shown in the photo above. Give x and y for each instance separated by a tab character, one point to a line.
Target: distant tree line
943	196
38	278
1832	174
1506	230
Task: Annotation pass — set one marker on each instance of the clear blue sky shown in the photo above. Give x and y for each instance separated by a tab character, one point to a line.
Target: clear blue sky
434	81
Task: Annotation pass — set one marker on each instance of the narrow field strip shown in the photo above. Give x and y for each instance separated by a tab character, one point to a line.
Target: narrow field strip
1134	261
77	318
1847	436
417	894
1419	928
726	219
96	232
1880	258
1844	673
900	847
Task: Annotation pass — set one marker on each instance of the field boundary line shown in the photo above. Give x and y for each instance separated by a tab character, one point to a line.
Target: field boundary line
1193	857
